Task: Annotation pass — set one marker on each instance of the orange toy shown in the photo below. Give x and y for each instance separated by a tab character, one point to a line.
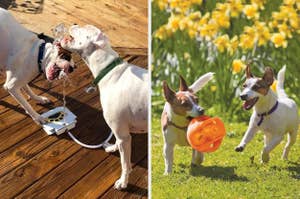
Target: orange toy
205	134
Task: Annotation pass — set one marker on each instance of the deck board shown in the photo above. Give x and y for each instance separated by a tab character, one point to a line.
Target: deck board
115	18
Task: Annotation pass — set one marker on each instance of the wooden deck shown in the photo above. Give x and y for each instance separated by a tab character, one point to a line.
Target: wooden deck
35	165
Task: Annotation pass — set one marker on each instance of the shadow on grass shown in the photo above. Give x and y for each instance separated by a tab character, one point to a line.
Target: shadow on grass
295	170
217	172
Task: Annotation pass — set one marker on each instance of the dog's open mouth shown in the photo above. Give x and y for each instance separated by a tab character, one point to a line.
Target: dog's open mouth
53	72
248	104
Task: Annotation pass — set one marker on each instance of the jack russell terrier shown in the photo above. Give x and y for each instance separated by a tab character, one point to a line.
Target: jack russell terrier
274	114
23	56
123	87
179	108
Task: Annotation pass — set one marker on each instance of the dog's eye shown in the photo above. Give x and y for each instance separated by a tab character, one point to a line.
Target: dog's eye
256	87
244	85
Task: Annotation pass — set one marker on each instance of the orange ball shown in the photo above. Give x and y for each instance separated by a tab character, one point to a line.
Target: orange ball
205	134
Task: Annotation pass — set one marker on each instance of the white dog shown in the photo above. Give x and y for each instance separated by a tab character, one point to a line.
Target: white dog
123	88
178	111
274	114
22	57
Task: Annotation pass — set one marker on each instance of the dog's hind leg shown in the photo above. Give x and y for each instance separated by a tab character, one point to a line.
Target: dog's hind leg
168	156
32	95
290	142
197	158
270	144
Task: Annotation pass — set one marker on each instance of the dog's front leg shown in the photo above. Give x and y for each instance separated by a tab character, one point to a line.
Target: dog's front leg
168	155
270	143
32	95
197	158
251	131
16	93
124	146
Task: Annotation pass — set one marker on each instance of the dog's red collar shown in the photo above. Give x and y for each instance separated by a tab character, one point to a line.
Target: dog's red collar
266	113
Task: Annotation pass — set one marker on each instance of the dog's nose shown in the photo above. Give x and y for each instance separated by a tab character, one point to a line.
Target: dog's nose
70	69
75	24
200	110
243	97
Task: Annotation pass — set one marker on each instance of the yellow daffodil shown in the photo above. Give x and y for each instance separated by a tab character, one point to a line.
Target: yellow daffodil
279	40
222	42
251	11
233	45
213	88
289	2
262	32
237	66
195	15
285	30
173	23
208	30
259	3
235	7
274	85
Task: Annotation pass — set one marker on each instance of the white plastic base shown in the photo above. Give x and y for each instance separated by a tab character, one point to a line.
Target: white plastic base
60	119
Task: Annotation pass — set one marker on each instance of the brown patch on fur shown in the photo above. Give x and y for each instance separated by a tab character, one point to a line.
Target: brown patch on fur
182	104
261	87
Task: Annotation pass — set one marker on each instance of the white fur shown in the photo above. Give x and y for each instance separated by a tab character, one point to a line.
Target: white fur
173	135
18	59
283	120
202	81
124	91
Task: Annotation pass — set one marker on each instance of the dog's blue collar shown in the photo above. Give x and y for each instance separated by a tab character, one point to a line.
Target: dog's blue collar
266	113
40	56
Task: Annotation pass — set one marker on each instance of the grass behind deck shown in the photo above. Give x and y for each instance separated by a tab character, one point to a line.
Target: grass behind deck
226	173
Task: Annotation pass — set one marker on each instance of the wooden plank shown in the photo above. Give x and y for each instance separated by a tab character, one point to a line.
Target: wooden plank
105	174
137	185
24	175
65	175
32	145
115	18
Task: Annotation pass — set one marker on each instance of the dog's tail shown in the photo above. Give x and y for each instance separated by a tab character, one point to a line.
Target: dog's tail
280	81
202	81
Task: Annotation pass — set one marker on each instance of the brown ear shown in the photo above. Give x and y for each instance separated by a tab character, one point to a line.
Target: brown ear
248	72
268	76
168	93
183	85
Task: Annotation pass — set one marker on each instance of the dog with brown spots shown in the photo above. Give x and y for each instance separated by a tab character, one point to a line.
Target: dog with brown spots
179	108
274	113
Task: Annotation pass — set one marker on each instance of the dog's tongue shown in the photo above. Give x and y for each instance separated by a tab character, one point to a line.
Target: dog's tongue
53	72
246	105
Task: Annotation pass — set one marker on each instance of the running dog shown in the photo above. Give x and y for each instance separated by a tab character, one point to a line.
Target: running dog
274	114
23	56
123	87
179	108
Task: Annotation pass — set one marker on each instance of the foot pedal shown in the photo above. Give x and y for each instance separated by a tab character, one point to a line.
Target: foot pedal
59	120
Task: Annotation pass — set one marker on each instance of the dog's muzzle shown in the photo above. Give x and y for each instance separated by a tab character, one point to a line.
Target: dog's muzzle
244	96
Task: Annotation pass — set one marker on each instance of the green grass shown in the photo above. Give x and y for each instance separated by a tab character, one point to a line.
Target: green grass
226	173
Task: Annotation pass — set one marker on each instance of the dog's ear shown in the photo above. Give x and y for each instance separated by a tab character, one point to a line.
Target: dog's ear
268	76
248	72
168	92
98	37
183	85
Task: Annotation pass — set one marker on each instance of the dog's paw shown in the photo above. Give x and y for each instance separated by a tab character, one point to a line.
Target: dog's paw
239	149
42	100
265	158
110	148
120	184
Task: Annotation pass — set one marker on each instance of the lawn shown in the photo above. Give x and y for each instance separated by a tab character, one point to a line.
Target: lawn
226	173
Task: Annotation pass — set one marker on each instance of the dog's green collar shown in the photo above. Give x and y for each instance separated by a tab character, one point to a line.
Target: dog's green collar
106	70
